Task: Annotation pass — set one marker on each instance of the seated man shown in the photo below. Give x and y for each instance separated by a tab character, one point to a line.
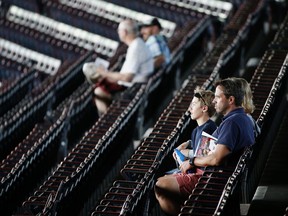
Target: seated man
234	133
137	67
156	42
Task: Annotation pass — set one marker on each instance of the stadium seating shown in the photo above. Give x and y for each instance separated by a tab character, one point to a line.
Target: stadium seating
19	165
21	82
92	150
110	15
184	9
52	124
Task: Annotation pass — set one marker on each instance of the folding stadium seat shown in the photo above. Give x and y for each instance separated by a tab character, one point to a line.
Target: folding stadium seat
129	193
196	205
15	89
200	204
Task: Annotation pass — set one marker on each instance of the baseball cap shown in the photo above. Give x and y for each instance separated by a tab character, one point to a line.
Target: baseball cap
152	22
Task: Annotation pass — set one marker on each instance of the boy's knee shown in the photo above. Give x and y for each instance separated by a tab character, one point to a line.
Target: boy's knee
162	183
98	92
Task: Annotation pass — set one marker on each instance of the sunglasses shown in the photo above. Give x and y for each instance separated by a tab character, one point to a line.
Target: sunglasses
198	95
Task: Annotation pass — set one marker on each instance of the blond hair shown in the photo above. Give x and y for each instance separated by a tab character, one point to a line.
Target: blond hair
247	103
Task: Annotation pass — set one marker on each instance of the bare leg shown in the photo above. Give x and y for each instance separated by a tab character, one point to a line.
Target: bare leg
168	195
102	100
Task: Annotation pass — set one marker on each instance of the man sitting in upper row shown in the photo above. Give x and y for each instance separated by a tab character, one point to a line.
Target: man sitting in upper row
137	67
156	42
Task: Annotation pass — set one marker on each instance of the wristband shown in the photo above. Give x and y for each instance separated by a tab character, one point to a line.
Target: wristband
191	161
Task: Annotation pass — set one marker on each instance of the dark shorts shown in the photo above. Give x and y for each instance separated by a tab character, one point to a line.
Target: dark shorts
188	181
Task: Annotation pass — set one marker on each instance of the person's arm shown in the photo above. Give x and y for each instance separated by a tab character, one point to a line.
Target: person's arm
154	44
159	61
182	147
115	76
214	159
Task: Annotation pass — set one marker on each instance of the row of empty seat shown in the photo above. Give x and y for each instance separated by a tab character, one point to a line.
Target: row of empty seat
231	38
219	9
20	119
46	144
93	149
18	53
62	31
16	80
117	13
178	11
17	122
273	181
39	147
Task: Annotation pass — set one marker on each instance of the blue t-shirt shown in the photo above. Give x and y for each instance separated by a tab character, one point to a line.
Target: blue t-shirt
235	131
257	128
209	127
